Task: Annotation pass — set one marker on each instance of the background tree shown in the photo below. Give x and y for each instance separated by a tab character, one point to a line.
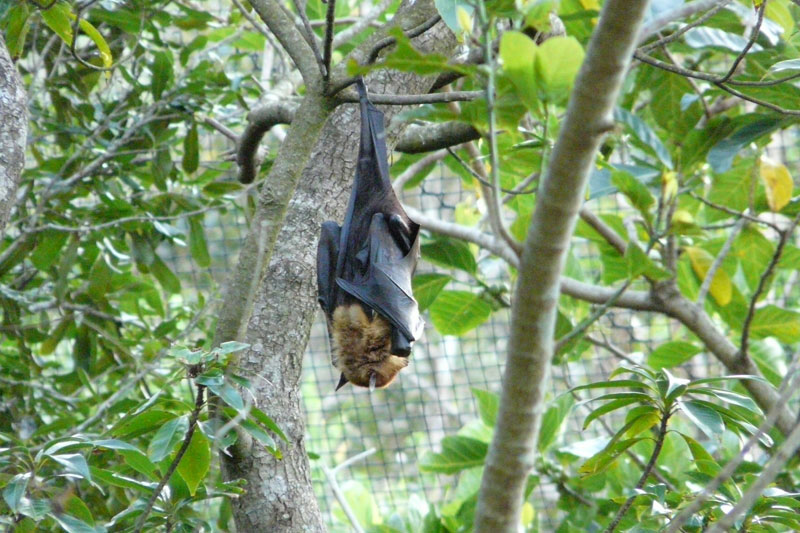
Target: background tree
107	356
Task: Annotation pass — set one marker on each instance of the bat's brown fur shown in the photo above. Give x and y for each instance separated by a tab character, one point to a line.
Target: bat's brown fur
361	347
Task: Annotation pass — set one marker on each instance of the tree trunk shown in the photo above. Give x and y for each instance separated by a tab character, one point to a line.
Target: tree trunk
280	496
530	351
13	133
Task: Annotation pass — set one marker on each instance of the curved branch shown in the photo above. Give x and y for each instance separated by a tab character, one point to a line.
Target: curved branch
655	25
260	121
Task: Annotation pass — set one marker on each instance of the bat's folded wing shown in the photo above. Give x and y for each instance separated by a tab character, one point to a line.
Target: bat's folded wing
386	288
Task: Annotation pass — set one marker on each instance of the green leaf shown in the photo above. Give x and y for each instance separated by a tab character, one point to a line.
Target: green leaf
517	52
195	462
553	419
458	453
556	64
642	422
448	9
450	253
639	195
457	312
165	276
75	463
703	460
721	156
161	69
167	437
644	134
15	490
57	19
102	46
488	404
17	24
48	248
730	397
626	383
672	354
261	436
197	243
258	415
774	321
231	347
608	408
705	418
74	525
427	287
191	150
600	462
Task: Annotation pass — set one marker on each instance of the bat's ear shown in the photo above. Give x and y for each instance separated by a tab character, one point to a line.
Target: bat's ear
342	381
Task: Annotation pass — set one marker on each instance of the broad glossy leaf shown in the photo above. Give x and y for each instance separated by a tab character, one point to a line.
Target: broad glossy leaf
58	19
774	321
488	404
427	287
106	56
646	136
517	51
457	312
75	463
15	490
608	456
608	408
672	354
721	156
167	438
458	453
553	420
556	64
195	462
450	253
708	420
161	69
197	243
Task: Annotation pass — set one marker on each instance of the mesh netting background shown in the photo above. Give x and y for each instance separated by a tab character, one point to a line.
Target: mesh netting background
388	432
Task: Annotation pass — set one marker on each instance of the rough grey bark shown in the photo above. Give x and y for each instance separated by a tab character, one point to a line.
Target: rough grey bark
530	350
279	495
13	133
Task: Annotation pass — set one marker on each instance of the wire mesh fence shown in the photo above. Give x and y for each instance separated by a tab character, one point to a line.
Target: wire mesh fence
382	437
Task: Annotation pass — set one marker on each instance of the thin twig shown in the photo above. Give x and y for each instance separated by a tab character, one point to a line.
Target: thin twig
361	23
677	33
785	392
723	253
753	36
662	432
198	407
762	283
330	18
725	209
389	41
414	99
310	36
585	324
415	168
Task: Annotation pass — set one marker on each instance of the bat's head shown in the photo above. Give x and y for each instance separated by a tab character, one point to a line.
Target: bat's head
362	348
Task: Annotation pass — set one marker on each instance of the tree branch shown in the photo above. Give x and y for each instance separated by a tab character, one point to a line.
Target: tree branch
430	137
290	38
560	195
260	121
723	253
187	439
679	13
662	432
415	99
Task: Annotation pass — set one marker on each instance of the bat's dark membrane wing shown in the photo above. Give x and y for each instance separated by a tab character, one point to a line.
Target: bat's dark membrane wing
386	284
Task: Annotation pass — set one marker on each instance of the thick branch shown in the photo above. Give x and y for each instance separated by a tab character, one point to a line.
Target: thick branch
430	137
530	350
260	121
13	133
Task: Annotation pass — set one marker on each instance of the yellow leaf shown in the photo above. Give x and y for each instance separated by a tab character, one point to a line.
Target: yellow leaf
591	4
721	288
682	217
669	185
778	183
527	515
464	20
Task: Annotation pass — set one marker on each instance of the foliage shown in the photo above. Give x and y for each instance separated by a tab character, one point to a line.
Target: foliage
100	326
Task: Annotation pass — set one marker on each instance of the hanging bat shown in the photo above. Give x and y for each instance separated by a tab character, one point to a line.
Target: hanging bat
364	269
